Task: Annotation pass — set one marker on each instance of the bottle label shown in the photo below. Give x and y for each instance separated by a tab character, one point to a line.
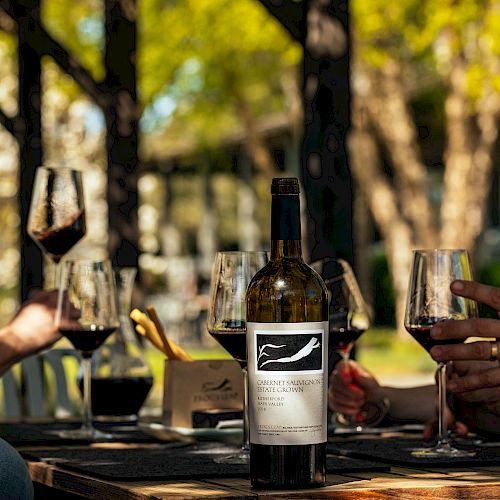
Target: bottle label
287	382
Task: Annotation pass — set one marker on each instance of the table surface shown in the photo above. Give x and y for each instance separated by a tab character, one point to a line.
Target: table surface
406	483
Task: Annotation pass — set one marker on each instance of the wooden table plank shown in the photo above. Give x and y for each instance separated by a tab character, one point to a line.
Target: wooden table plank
99	489
400	482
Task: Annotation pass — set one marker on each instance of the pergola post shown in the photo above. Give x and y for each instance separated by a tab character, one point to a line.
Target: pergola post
322	27
29	136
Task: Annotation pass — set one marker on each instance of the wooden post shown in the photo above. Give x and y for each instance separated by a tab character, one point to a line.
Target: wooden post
322	27
28	135
325	170
122	133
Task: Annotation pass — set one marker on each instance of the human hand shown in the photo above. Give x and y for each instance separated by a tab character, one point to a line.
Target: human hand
350	387
33	327
477	371
474	382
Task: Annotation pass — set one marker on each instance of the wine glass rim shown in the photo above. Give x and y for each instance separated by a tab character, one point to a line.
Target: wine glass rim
241	252
86	261
436	250
58	167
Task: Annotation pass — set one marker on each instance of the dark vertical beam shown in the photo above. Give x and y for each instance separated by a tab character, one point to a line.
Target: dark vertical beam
122	131
322	27
325	170
28	135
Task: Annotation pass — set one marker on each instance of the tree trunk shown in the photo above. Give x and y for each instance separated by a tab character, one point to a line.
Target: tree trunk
469	162
382	199
386	103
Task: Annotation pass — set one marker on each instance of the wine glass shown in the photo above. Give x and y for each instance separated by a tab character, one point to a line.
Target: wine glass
88	316
56	220
231	274
349	317
430	301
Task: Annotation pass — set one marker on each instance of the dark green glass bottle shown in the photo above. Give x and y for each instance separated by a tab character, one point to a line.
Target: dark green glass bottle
287	335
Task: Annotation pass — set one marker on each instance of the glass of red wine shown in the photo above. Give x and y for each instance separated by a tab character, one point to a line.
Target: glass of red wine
56	220
430	301
349	317
89	315
231	274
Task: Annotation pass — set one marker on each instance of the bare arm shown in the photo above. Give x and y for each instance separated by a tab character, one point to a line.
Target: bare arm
31	330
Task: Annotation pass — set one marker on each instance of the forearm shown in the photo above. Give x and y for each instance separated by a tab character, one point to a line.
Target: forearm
10	349
411	403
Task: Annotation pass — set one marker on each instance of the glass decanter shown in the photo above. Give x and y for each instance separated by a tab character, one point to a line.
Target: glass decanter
121	377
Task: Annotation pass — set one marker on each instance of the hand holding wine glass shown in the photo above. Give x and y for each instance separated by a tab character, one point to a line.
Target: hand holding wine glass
231	274
429	302
88	316
349	318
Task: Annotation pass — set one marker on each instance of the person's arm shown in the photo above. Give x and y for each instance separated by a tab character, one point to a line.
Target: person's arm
31	330
411	403
350	388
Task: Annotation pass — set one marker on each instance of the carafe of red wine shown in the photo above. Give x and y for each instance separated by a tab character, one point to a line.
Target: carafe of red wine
121	377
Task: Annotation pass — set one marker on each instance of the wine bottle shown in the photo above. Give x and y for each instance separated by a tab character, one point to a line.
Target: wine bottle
287	337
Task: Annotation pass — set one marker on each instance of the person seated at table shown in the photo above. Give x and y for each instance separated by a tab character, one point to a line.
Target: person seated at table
31	330
474	375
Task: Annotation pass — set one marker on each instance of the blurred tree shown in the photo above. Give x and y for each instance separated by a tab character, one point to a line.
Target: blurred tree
115	95
206	68
403	49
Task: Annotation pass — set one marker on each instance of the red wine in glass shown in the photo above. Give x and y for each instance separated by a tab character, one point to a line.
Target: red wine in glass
87	340
88	317
58	241
232	336
421	332
430	301
342	339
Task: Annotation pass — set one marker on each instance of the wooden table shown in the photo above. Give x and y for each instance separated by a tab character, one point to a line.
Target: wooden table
483	483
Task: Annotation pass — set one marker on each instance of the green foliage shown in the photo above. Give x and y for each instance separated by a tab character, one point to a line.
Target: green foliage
424	36
79	27
208	56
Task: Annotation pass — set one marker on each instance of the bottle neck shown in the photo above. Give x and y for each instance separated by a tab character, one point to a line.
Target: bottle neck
286	249
285	227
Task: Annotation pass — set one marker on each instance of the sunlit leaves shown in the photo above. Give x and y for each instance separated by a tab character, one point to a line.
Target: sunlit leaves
206	55
428	35
79	27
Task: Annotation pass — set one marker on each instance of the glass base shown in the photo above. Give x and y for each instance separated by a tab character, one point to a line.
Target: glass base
442	450
242	458
347	424
89	434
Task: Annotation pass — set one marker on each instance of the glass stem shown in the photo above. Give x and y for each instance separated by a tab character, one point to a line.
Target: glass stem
246	430
442	421
87	399
60	290
345	358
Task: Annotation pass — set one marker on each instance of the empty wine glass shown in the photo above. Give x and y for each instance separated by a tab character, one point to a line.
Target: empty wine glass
231	274
88	316
349	317
56	220
430	301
